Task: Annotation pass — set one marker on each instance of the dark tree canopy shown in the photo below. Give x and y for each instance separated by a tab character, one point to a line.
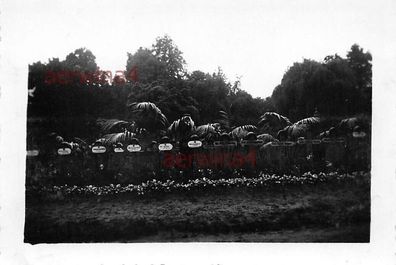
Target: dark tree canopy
360	63
168	53
335	87
81	60
147	66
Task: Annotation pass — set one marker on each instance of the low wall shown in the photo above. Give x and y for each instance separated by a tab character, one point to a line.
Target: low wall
283	157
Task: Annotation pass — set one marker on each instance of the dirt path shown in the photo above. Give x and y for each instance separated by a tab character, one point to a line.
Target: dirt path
357	233
297	215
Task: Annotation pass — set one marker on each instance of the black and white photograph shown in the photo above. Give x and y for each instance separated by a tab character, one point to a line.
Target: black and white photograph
157	153
199	121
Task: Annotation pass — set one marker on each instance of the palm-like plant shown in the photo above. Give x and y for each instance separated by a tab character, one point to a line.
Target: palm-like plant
181	129
311	121
108	126
347	126
266	138
147	121
114	138
147	115
208	132
272	122
307	128
224	120
241	132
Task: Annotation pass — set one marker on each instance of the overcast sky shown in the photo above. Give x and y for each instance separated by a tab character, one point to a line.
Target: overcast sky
257	40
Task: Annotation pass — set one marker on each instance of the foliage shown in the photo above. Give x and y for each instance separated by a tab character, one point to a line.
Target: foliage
147	115
182	129
266	138
224	120
335	87
307	128
169	54
107	126
241	132
209	132
360	63
114	138
272	122
81	60
263	180
149	69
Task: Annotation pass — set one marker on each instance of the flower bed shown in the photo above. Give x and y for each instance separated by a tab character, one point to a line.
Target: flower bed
200	184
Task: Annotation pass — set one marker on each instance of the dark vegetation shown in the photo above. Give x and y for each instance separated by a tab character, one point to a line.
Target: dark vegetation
332	211
70	105
73	104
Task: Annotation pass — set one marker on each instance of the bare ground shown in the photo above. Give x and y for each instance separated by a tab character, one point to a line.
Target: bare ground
322	213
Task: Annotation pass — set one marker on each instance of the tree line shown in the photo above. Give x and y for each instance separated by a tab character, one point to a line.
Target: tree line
335	86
